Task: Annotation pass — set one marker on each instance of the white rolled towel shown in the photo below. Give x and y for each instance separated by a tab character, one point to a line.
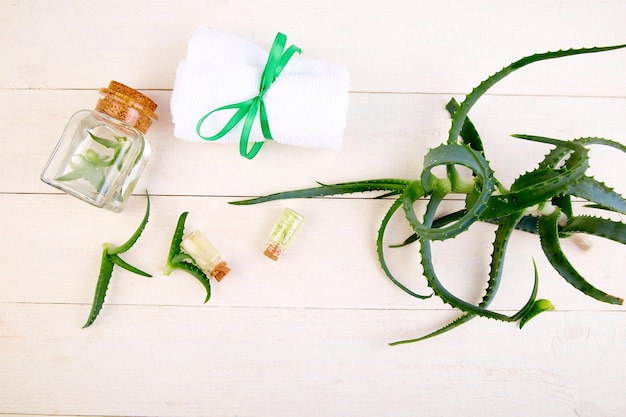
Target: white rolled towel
306	104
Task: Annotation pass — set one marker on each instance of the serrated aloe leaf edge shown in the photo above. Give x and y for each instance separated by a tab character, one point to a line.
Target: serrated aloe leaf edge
111	258
178	259
538	202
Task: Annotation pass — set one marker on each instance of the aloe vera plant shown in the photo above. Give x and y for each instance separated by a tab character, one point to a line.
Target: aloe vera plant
93	166
110	258
539	202
179	259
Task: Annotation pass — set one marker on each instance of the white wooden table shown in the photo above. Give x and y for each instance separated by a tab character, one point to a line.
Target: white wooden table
306	336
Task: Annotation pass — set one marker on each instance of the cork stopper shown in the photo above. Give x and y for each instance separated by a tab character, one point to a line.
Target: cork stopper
220	271
127	105
273	251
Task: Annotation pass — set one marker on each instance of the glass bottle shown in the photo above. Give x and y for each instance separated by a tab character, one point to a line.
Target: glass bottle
102	153
283	233
206	256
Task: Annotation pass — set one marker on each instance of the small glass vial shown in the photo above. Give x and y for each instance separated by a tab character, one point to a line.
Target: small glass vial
102	153
205	255
283	233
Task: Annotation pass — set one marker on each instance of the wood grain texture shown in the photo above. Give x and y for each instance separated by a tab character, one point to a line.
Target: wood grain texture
386	137
250	362
307	335
415	46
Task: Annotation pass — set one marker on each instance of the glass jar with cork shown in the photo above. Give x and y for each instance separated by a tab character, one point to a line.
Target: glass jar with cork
102	153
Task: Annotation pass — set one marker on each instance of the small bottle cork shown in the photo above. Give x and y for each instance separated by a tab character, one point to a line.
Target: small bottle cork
283	233
205	255
127	105
220	271
273	251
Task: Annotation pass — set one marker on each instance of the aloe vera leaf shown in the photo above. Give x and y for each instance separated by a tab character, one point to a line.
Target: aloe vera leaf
69	176
110	258
198	274
380	250
532	179
133	239
602	141
553	158
436	285
395	186
526	309
123	264
596	226
539	185
549	237
116	145
556	155
578	155
587	187
104	277
461	114
438	222
570	145
502	237
177	238
119	162
444	329
468	132
564	202
590	225
525	224
181	257
444	294
332	189
597	192
469	136
538	307
444	154
532	309
96	159
177	259
93	174
385	195
453	154
107	143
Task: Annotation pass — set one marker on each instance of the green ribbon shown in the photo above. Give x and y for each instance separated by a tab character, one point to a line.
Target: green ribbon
276	61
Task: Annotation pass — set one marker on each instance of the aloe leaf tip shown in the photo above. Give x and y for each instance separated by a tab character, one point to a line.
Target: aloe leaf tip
538	307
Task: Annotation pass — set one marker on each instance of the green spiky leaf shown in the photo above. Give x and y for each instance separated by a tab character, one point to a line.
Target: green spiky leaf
533	203
110	258
177	259
549	234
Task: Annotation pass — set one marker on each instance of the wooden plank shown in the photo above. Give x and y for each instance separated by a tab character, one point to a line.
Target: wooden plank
407	46
387	137
52	247
187	361
307	335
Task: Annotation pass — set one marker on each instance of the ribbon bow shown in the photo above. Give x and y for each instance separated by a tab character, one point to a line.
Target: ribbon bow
276	61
